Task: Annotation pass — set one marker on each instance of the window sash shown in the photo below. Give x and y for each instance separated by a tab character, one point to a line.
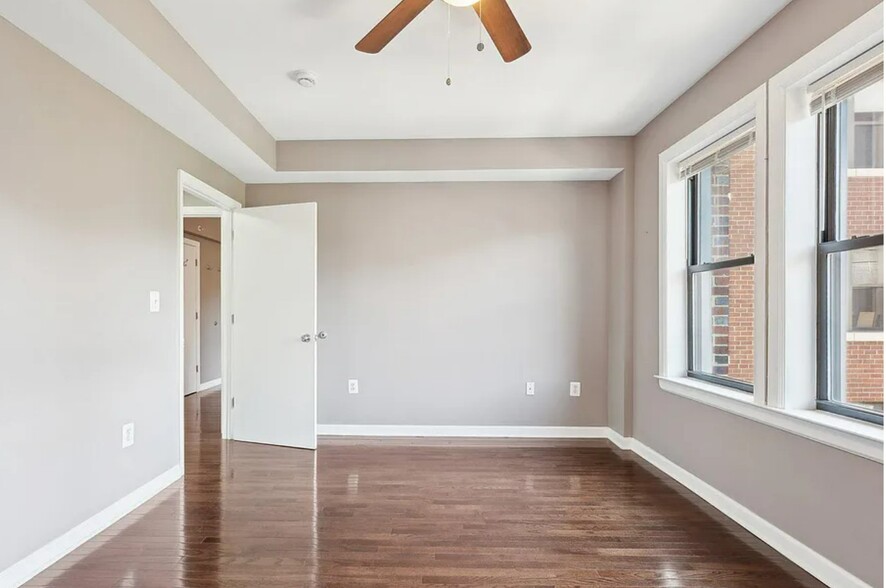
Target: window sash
831	154
694	268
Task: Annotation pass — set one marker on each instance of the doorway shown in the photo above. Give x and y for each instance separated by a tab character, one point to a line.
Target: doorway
203	207
268	289
192	328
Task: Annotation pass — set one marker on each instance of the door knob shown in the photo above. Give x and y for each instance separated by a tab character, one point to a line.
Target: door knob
306	338
321	335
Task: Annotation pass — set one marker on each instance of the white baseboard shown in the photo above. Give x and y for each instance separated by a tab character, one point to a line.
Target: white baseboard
208	385
802	555
620	441
25	569
458	431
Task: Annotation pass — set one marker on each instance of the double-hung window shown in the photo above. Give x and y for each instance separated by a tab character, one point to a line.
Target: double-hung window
721	183
849	107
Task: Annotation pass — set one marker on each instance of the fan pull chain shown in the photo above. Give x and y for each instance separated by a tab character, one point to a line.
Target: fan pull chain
480	45
448	44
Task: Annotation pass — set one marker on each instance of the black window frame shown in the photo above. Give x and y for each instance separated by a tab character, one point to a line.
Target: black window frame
696	266
833	152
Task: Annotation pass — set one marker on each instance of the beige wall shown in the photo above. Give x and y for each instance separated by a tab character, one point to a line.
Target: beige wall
208	232
619	278
88	188
444	299
828	499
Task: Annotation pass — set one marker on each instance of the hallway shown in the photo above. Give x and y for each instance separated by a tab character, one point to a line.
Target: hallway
418	513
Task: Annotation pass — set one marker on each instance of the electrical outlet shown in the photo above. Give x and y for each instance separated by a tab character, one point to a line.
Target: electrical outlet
128	434
530	388
353	388
154	297
575	388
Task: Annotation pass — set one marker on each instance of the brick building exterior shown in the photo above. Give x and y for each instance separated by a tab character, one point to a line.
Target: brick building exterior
733	230
733	194
864	359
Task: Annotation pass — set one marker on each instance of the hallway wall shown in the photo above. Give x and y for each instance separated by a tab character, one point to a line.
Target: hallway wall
208	232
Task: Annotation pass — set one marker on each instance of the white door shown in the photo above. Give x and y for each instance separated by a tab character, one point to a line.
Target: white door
273	346
192	315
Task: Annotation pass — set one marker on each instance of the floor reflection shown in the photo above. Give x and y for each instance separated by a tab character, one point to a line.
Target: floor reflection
392	513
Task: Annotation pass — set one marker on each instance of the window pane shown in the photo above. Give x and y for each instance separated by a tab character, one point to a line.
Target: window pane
723	323
726	208
861	206
855	297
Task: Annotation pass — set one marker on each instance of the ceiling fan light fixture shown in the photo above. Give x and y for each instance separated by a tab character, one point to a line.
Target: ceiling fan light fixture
461	3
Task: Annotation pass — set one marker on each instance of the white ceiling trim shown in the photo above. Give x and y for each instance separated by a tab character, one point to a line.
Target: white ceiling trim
80	36
428	176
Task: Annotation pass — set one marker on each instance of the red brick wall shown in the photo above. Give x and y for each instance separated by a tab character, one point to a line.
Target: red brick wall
733	219
864	359
864	209
864	372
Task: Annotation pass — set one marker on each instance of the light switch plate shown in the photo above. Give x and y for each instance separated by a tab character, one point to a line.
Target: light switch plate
575	388
154	301
128	434
353	387
530	388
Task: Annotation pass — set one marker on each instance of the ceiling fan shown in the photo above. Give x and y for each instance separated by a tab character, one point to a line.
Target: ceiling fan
495	15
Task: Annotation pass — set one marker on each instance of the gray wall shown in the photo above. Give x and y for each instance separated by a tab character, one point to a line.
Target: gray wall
88	188
210	293
828	499
444	299
620	280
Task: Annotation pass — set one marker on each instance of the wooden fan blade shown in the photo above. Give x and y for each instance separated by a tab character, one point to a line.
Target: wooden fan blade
503	29
391	25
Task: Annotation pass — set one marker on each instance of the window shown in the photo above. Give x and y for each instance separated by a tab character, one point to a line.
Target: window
721	236
850	252
771	274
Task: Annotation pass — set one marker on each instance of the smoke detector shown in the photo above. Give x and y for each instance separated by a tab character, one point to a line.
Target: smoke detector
304	78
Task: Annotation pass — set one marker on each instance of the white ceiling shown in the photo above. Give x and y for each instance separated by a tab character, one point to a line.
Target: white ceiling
598	67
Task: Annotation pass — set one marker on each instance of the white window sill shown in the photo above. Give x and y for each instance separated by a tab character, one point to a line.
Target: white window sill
857	437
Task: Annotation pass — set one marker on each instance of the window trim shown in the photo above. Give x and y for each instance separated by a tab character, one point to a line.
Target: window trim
674	225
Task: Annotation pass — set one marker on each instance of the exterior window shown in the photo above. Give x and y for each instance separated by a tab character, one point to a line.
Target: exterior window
721	199
850	256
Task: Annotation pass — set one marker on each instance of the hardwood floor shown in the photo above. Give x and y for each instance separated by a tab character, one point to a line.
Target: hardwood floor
419	513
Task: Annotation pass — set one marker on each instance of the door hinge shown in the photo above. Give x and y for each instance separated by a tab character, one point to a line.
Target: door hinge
198	368
232	402
196	315
232	319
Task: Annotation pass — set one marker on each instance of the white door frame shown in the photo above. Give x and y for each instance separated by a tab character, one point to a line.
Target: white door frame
196	341
221	206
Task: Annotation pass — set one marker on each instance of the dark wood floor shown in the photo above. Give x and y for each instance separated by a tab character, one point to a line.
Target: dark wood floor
419	513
